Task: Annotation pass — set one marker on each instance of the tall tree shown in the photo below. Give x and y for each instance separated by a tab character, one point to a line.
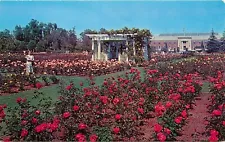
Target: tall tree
223	36
213	43
86	41
19	33
103	31
6	41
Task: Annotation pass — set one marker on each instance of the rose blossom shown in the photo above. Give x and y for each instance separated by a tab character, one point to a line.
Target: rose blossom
93	138
116	130
24	133
161	137
66	114
76	108
216	112
82	126
158	128
117	116
140	110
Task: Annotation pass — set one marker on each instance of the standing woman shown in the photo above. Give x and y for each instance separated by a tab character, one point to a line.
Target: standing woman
29	63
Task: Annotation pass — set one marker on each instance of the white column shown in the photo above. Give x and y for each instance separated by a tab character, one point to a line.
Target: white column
99	49
93	50
190	45
182	46
127	51
119	57
134	48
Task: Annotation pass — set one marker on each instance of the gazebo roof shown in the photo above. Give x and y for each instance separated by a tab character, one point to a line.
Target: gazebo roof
109	37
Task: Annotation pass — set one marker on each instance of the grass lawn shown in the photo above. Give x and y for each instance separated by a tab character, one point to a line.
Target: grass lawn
52	91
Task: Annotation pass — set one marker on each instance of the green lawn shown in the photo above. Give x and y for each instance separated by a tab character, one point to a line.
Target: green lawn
52	91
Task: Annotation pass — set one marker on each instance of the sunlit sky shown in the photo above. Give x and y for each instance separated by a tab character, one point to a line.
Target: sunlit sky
159	17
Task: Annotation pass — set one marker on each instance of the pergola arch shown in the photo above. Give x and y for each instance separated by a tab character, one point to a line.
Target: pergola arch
96	51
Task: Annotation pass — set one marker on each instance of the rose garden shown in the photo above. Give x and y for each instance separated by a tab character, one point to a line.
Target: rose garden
72	97
112	101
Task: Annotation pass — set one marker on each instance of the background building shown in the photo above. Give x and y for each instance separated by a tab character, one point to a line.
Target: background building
180	41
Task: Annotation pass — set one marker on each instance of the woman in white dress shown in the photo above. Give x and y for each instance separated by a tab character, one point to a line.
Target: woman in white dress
30	60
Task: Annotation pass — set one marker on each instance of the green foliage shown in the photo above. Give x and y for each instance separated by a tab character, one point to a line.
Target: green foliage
54	79
31	45
212	44
104	134
45	79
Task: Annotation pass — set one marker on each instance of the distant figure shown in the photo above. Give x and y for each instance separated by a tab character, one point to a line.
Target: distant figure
29	63
163	53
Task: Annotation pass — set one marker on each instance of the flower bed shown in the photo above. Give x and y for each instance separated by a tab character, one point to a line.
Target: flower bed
78	64
216	125
114	111
14	83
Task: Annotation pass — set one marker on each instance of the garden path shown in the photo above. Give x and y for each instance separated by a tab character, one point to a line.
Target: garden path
194	130
148	129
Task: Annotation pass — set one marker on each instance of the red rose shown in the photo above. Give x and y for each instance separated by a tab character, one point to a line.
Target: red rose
220	107
184	114
37	112
167	131
18	100
93	138
2	114
104	99
40	128
66	114
217	113
82	126
141	101
6	139
161	137
188	106
159	109
53	126
214	132
158	128
24	122
81	84
24	133
116	130
140	110
223	123
105	83
76	108
213	138
38	85
117	116
116	101
168	104
80	136
68	87
34	120
178	120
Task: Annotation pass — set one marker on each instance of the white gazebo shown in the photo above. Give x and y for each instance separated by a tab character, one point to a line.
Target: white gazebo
103	54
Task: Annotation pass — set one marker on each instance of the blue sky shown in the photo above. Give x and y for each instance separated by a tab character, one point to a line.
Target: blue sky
159	17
